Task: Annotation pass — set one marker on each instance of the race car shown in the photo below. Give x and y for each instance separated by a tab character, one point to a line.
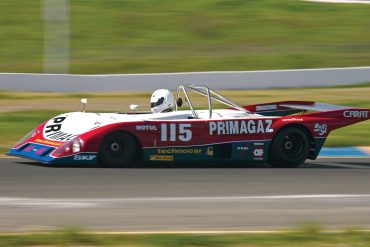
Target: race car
283	134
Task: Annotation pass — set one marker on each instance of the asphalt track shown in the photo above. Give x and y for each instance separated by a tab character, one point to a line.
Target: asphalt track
333	192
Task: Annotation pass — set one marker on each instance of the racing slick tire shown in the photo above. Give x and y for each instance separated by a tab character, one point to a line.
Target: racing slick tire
118	149
289	148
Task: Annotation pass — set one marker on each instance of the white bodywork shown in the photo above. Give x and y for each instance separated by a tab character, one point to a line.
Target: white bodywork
76	123
67	126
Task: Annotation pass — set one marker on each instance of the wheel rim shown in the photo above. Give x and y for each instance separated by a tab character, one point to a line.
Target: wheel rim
292	145
118	149
115	148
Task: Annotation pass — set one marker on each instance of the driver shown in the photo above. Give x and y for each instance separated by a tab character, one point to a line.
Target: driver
161	101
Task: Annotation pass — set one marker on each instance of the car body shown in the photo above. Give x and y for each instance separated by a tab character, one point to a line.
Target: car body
284	134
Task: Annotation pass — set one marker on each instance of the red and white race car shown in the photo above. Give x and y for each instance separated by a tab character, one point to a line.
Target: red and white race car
283	134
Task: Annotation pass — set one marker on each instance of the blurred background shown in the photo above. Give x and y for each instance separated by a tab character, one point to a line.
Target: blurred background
142	36
145	36
159	36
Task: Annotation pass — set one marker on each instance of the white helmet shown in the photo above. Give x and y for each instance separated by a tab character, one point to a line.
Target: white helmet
161	101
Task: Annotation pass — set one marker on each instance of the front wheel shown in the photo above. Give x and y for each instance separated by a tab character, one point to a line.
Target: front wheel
118	149
289	148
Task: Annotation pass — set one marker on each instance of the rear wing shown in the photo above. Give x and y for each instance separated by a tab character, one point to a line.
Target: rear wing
336	115
284	108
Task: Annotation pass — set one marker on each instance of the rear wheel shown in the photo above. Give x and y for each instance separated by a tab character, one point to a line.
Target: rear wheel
289	148
118	149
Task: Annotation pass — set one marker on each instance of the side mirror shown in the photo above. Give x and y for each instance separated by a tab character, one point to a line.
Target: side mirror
84	102
134	107
179	102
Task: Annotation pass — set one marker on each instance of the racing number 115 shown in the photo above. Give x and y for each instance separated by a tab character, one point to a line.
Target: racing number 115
170	130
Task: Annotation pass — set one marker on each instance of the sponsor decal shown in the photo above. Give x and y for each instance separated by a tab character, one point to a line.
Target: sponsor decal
35	150
238	127
51	143
266	107
55	125
52	130
321	128
356	114
161	158
243	150
60	136
146	127
84	157
180	151
96	125
258	150
292	119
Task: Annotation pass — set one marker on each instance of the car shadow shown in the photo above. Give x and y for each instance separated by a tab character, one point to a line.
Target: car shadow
179	165
147	165
39	164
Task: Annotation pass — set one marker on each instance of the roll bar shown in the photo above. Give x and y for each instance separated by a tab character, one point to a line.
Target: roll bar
210	94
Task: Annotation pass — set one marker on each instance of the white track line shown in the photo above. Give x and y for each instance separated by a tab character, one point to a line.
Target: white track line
8	157
99	202
344	165
181	232
357	158
199	72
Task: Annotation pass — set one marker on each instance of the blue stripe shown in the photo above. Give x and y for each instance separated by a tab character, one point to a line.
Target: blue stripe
343	151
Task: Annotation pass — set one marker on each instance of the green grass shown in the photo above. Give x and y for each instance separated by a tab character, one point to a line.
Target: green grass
306	236
139	36
366	84
14	125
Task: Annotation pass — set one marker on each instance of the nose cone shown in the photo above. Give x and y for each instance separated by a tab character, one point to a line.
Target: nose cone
68	126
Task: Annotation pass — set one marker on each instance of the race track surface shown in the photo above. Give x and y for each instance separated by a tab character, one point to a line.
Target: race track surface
333	192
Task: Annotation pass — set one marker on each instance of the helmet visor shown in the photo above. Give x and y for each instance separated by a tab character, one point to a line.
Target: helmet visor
159	102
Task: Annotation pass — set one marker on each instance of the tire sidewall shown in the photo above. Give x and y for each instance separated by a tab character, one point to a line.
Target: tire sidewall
278	156
126	145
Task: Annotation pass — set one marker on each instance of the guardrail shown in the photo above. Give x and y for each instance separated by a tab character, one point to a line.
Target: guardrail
216	80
